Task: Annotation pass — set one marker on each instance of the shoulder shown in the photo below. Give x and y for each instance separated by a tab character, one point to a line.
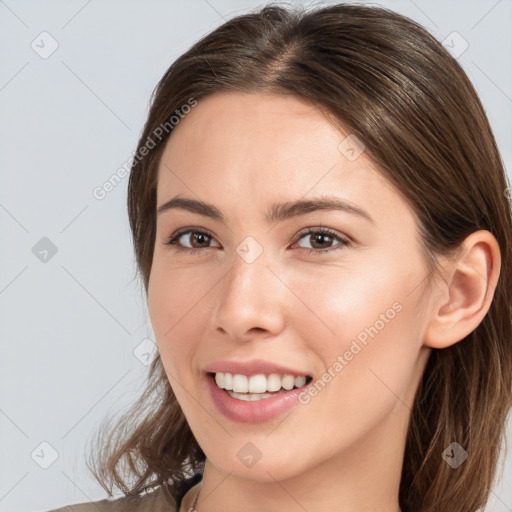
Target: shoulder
151	502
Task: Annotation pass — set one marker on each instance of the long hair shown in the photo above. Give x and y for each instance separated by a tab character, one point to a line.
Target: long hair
384	78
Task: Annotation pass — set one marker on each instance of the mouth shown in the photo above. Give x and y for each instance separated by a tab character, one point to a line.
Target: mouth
255	391
251	388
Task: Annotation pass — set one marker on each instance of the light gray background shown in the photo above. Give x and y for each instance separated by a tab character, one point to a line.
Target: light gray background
70	325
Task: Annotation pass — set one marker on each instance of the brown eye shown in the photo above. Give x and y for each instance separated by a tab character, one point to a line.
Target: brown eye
198	238
321	240
190	240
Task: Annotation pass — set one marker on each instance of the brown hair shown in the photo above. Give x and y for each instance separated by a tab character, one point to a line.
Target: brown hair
384	78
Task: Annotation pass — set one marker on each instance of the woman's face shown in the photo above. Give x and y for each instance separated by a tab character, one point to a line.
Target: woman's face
251	284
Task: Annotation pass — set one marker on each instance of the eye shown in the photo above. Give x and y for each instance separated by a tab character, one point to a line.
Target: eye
323	237
193	237
195	240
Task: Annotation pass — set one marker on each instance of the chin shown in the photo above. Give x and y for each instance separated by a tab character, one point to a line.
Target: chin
267	469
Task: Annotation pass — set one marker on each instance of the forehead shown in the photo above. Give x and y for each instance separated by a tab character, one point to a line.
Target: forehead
263	148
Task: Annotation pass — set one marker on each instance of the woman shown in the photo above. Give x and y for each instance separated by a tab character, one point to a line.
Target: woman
320	220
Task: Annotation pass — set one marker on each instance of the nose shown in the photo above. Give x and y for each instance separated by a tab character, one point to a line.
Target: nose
251	300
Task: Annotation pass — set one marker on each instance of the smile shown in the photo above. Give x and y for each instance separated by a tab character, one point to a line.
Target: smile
255	398
259	386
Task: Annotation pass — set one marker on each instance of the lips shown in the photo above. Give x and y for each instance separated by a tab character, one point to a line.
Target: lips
252	411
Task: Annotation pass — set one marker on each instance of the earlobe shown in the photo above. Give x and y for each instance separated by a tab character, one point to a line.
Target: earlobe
467	291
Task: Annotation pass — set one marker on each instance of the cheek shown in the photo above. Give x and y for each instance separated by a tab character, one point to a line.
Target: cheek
174	295
343	303
174	304
363	327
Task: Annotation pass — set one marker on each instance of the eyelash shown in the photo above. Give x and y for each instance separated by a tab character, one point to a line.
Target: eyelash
343	242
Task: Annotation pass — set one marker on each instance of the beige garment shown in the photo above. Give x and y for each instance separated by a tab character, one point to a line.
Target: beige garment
152	502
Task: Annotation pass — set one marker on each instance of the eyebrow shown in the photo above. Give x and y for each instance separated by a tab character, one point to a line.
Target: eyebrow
277	212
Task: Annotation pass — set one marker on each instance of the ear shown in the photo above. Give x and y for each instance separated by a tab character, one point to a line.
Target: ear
466	292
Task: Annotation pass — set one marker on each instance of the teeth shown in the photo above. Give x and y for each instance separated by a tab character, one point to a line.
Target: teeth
273	382
228	381
240	383
249	397
300	381
259	383
288	382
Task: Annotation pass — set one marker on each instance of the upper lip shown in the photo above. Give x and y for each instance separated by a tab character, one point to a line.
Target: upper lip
252	367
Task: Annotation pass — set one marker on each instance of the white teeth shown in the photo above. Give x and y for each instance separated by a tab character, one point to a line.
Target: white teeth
240	383
228	381
300	381
273	382
288	382
259	383
249	397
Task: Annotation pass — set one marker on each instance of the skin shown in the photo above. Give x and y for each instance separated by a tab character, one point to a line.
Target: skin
344	449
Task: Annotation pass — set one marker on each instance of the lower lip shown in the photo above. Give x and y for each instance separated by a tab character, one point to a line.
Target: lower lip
257	411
